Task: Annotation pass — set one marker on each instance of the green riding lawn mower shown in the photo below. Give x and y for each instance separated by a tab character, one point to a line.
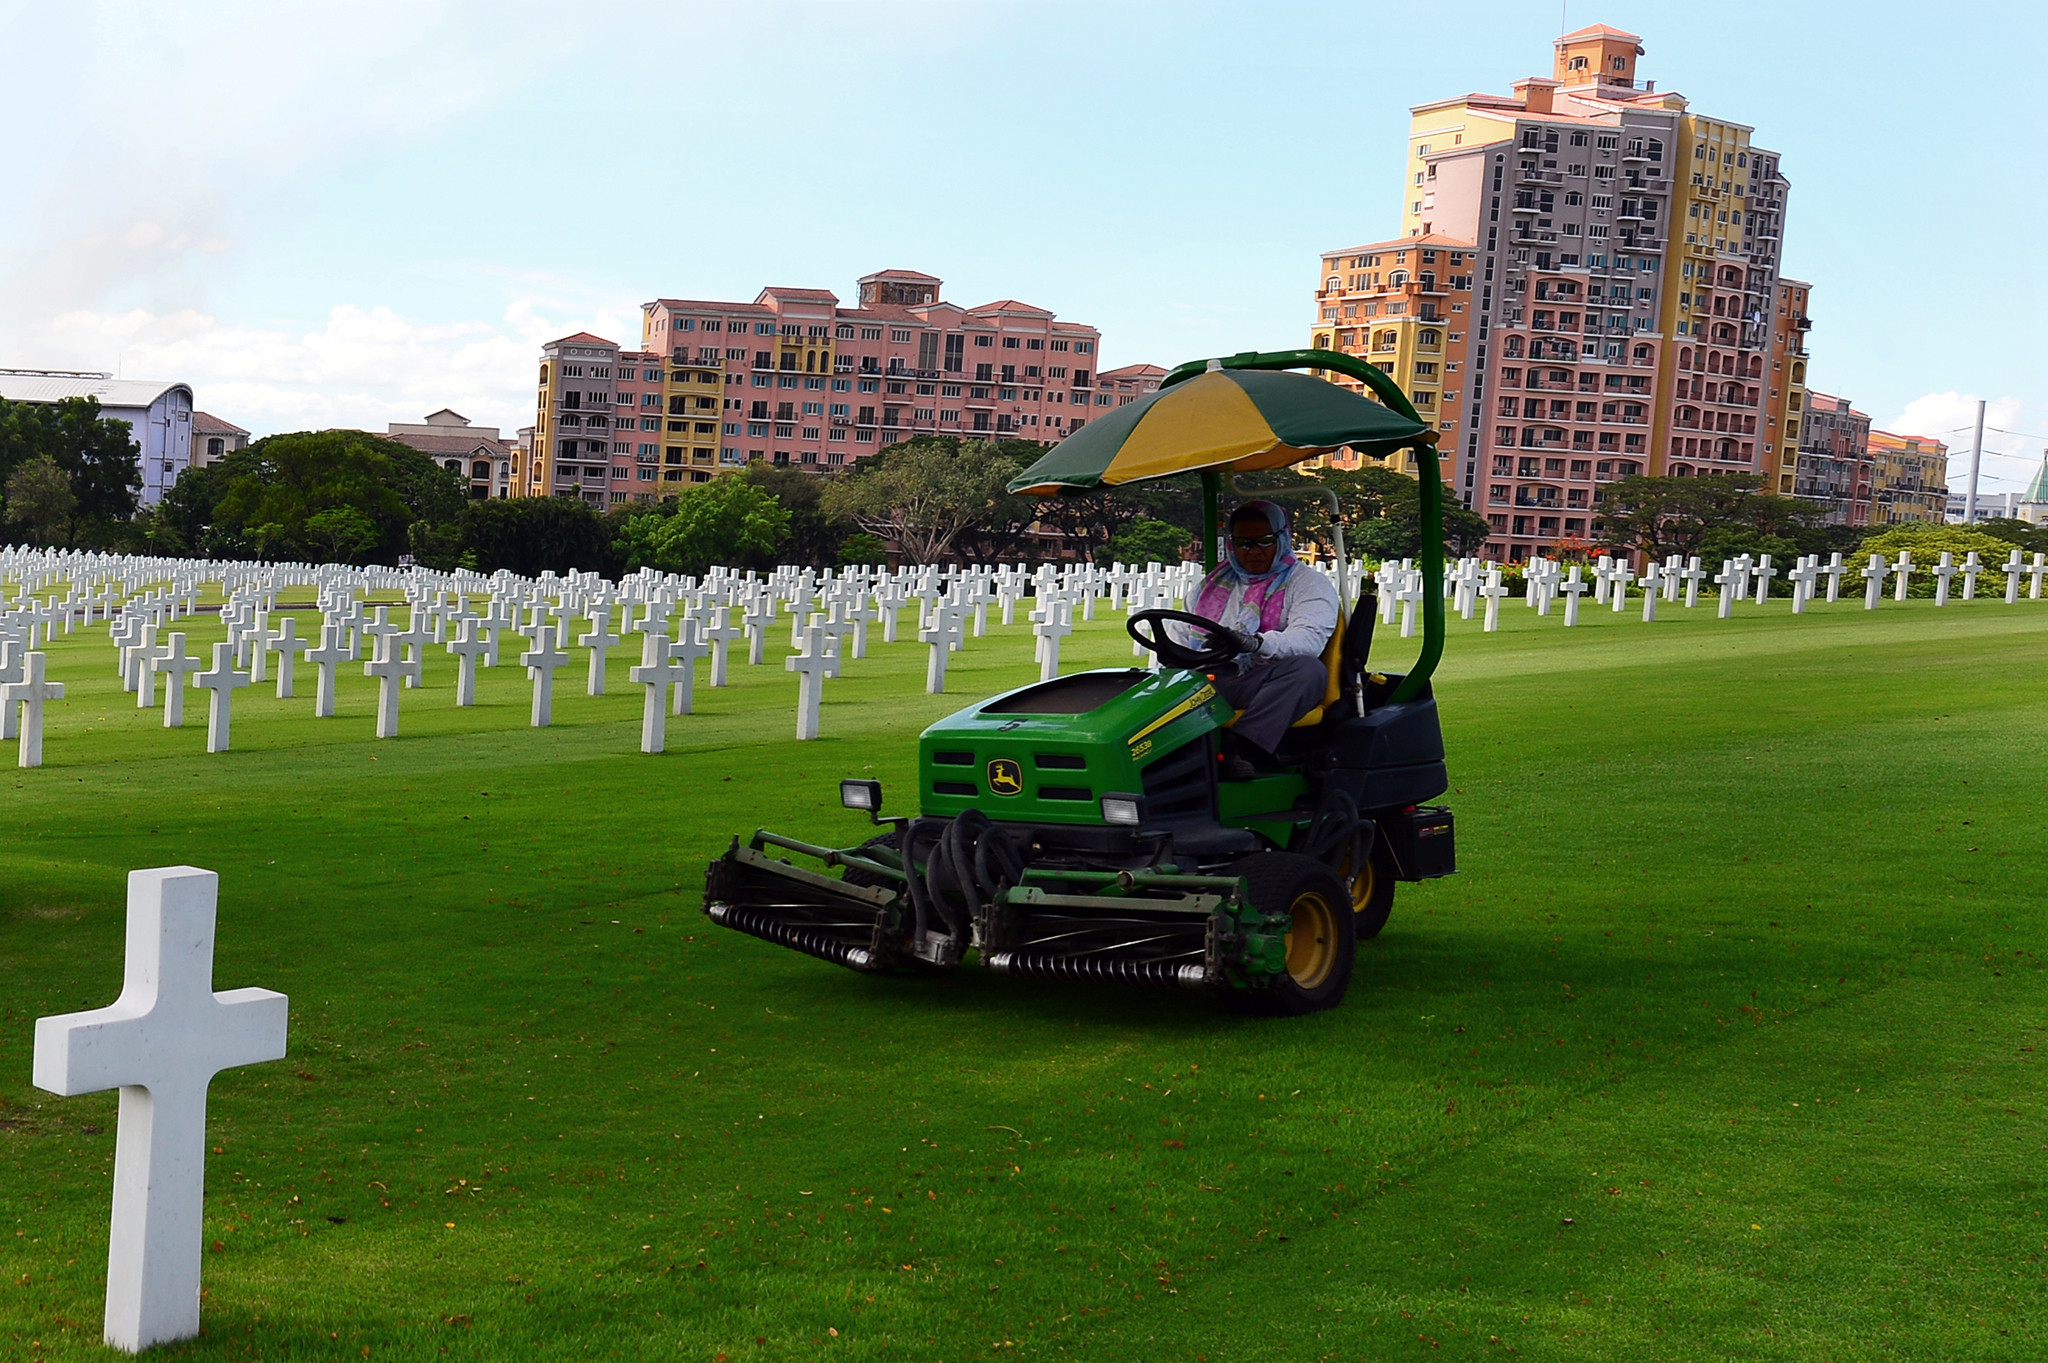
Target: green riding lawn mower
1076	829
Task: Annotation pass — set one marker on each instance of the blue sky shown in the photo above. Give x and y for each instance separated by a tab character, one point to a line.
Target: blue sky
346	214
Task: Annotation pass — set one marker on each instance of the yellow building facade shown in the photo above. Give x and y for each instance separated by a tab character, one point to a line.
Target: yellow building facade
1909	479
1404	305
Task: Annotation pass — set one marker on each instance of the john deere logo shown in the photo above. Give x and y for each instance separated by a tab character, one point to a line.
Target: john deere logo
1005	777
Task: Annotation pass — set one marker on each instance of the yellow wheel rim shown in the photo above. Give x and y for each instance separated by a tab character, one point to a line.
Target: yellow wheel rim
1311	940
1363	881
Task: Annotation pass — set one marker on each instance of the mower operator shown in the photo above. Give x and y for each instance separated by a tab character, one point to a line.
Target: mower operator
1281	614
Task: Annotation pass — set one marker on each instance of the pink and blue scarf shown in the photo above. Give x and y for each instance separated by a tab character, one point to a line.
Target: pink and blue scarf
1265	592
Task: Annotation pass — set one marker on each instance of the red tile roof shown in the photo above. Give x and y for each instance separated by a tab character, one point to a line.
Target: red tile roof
209	424
582	338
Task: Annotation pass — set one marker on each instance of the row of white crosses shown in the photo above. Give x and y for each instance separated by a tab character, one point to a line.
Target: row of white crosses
683	619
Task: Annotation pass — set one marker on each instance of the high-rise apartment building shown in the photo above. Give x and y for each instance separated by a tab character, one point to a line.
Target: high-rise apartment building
1623	253
615	425
795	379
1404	305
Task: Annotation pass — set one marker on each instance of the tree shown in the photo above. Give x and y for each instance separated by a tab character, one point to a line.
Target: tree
716	522
1144	540
1719	516
814	534
1382	512
1927	542
265	495
530	535
2032	538
342	534
930	493
862	548
40	502
95	453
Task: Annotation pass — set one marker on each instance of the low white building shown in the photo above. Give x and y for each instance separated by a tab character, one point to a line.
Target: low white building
159	416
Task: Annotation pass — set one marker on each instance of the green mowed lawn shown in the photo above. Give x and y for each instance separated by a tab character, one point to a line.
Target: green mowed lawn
1725	1041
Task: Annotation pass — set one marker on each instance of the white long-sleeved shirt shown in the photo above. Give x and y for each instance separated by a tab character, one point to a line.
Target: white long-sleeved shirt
1308	618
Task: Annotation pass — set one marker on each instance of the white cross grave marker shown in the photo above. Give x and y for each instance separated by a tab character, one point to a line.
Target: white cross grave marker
1059	623
1902	572
723	634
1873	576
1972	570
1764	573
29	693
600	640
1493	590
657	671
324	658
1943	571
1834	569
390	668
172	660
2035	570
287	643
812	665
1575	586
1651	571
686	650
540	665
468	645
160	1043
1693	575
2013	571
223	681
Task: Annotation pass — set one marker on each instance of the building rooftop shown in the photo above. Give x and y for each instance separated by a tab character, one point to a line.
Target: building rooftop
582	338
27	385
206	423
1406	243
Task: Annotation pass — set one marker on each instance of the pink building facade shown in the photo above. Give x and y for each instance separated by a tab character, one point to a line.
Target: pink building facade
809	383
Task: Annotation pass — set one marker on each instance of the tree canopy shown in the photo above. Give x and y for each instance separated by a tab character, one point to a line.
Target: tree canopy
1716	517
932	495
723	521
97	456
282	498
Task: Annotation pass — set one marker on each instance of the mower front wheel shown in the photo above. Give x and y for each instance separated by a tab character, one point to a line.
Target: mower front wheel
1321	943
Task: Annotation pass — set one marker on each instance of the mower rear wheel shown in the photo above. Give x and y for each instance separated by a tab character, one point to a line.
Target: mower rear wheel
1321	944
1372	889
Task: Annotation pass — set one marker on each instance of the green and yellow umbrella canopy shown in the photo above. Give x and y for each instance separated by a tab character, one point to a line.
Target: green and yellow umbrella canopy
1237	419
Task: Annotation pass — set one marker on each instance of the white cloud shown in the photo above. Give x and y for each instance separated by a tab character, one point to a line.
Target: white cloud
365	367
2010	457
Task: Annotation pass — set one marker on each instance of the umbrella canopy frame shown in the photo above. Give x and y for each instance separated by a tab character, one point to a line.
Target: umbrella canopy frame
1428	475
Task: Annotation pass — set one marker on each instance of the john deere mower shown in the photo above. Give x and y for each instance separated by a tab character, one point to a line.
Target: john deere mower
1076	829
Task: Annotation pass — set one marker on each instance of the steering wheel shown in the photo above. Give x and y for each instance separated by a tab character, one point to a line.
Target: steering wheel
1222	646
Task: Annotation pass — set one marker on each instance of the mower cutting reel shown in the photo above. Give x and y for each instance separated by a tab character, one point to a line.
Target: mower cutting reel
1076	829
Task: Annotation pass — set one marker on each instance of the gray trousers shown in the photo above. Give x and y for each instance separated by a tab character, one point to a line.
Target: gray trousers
1272	696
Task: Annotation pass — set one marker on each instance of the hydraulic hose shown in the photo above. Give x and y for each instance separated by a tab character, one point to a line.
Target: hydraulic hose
966	862
1336	829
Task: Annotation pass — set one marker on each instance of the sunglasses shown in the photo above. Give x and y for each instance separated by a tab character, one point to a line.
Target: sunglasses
1255	542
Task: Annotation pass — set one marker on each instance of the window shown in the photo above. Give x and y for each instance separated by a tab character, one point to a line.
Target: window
984	342
899	336
1010	342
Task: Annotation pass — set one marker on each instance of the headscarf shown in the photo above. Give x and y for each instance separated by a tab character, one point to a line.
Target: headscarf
1264	592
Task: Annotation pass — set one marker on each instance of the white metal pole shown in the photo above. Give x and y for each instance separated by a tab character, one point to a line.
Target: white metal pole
1976	458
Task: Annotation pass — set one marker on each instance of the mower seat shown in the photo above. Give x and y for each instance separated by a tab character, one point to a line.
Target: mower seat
1344	654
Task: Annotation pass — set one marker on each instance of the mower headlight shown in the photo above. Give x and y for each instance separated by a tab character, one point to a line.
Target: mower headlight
1125	811
861	795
